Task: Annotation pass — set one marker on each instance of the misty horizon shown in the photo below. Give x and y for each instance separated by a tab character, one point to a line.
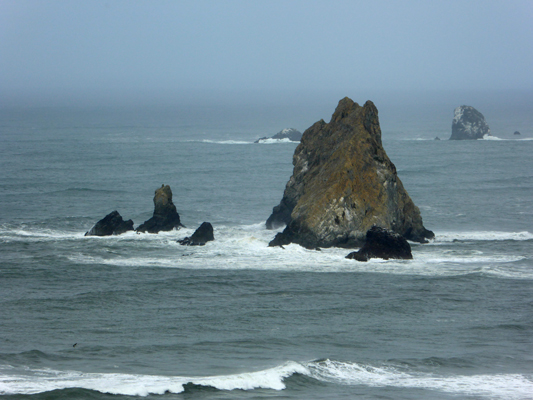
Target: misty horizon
61	53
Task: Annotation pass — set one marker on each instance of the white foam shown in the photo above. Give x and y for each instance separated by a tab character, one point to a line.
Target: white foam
37	235
246	247
225	141
45	380
481	236
508	386
490	137
32	381
274	141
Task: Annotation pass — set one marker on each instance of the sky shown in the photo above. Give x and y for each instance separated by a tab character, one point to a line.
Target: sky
58	51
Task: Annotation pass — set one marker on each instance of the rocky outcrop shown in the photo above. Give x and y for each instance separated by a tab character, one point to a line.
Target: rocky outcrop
382	243
516	133
200	237
468	124
343	183
111	224
288	133
165	217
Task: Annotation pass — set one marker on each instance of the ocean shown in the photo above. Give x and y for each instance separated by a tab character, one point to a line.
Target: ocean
138	316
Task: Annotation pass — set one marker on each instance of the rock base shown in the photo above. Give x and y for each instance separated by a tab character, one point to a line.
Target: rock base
382	243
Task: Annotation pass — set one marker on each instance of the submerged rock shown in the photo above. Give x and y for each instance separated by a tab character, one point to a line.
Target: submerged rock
468	124
200	237
382	243
516	133
111	224
288	133
165	217
343	183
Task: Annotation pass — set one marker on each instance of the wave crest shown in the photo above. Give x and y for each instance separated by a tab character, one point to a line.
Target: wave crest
509	386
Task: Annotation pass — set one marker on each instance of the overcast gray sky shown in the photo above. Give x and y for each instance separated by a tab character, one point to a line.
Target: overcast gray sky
121	49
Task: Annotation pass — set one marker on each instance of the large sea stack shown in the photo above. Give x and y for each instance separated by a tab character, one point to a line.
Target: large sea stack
468	124
165	217
343	183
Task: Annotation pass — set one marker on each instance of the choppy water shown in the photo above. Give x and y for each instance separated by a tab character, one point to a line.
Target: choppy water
236	319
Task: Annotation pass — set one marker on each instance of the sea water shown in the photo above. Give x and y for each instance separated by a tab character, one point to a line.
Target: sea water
140	316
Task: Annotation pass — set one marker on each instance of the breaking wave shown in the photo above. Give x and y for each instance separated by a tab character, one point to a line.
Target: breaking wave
15	381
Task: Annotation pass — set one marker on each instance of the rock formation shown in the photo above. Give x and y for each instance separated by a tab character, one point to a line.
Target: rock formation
200	237
516	133
382	243
343	183
288	133
468	124
165	216
111	224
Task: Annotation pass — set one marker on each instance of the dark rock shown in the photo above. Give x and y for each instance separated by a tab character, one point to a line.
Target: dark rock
516	133
165	216
288	133
343	183
468	124
200	237
382	243
437	138
111	224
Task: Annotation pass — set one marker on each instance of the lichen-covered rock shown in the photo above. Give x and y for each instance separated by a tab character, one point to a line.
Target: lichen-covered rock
382	243
200	237
343	183
111	224
468	124
165	217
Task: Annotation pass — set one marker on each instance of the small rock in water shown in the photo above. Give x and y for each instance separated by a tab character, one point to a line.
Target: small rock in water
200	237
382	243
288	133
111	224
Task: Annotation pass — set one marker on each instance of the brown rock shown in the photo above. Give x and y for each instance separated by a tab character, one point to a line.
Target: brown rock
343	183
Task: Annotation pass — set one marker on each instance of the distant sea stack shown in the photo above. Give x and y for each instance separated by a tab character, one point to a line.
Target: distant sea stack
165	217
288	133
111	224
468	124
343	183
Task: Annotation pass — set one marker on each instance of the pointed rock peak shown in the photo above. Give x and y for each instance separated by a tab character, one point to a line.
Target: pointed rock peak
345	108
163	196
